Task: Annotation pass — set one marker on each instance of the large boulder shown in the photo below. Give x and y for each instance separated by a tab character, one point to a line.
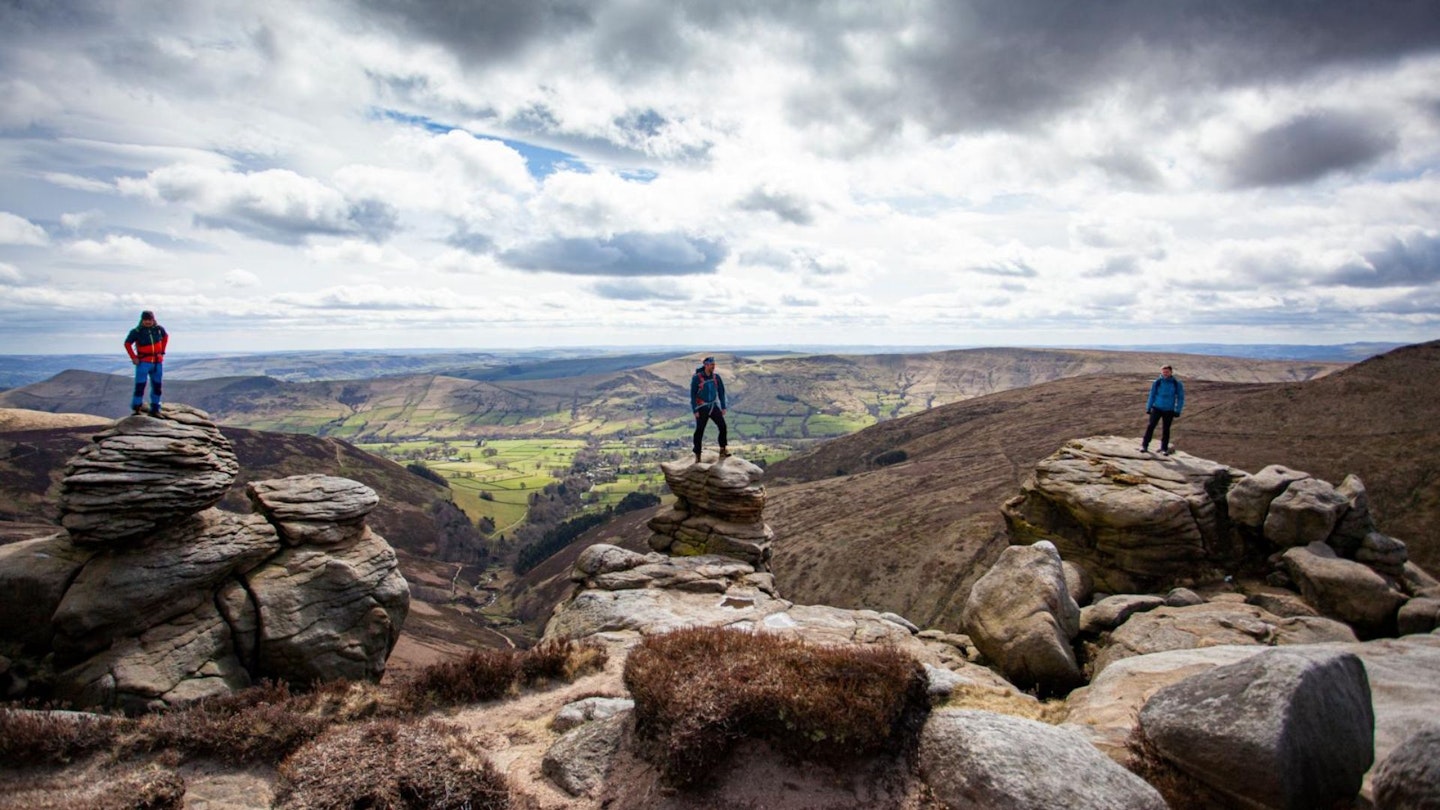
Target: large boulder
315	509
1409	779
1248	500
1306	512
999	762
1213	624
143	473
1137	522
1021	617
33	577
580	759
1284	729
718	509
1344	589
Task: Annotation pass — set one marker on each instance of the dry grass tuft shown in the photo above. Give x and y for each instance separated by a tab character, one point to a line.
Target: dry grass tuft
698	691
485	675
389	765
43	737
1005	701
147	788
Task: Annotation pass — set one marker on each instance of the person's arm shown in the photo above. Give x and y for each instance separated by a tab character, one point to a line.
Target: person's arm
130	348
1179	397
164	341
720	390
1150	400
694	393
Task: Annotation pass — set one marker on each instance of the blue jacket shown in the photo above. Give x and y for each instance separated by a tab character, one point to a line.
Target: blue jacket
706	391
1167	395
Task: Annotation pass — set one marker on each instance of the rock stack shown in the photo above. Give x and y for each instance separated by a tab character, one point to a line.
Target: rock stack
718	510
151	597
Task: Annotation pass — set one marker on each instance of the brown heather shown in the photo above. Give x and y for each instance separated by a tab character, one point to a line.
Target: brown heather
700	691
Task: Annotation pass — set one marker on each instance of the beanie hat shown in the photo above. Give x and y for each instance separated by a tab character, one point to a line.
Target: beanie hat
147	315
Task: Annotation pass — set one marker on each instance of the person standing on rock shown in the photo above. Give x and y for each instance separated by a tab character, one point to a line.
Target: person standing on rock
1167	399
146	346
707	400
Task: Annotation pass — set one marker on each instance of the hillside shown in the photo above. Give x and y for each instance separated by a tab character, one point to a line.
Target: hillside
794	398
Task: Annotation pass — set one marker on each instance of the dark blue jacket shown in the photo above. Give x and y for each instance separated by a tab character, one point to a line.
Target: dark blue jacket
1167	395
706	391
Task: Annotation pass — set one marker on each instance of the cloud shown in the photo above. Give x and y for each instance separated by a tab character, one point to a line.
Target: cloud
485	32
16	230
625	254
1412	262
790	208
634	290
375	297
1011	268
1308	148
276	205
10	275
114	249
1115	266
241	278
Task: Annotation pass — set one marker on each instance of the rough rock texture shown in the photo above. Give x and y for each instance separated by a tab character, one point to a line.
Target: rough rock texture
1213	624
579	760
319	510
1249	499
1409	779
999	762
1306	512
1112	611
144	472
1383	553
1345	590
1022	618
1137	522
1420	615
153	598
583	711
718	510
1283	729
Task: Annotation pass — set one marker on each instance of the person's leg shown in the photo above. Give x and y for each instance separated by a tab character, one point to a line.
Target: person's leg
1166	417
1150	429
719	419
700	417
142	372
157	378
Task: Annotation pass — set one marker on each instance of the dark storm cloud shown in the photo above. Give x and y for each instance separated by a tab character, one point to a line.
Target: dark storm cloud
788	207
1308	148
482	31
632	290
625	254
1412	262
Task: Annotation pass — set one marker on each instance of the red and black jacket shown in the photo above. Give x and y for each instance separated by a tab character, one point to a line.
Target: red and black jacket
146	344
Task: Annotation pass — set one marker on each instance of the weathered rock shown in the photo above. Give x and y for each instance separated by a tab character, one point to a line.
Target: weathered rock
603	558
314	509
1409	779
1417	582
718	510
1078	582
1212	624
330	612
982	759
33	577
1281	604
1419	615
1137	522
1356	522
1021	617
1306	512
584	711
178	661
1249	499
126	590
579	760
1112	611
1345	590
1383	553
1285	729
144	473
1183	597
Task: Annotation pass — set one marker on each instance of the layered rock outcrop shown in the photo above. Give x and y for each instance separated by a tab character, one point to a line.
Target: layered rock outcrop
152	597
718	510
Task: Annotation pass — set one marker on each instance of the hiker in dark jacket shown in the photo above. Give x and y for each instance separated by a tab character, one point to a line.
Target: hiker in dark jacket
146	346
707	400
1167	399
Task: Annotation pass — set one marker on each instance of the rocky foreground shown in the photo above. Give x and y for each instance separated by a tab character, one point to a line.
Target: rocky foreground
1159	617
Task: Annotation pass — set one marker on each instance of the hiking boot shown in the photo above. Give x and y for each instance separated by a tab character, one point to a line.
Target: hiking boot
1169	451
155	410
724	453
1144	449
697	456
136	410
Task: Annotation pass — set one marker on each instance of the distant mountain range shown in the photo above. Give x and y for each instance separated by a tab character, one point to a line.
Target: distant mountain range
772	397
537	364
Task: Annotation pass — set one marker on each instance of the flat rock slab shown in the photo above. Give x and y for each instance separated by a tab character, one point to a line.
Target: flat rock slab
314	509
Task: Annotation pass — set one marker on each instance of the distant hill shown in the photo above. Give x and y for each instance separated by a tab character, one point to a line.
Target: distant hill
771	397
912	536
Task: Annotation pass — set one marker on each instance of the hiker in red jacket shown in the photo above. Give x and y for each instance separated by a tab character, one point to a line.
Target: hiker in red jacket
707	400
146	346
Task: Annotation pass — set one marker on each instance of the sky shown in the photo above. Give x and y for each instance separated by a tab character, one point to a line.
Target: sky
269	175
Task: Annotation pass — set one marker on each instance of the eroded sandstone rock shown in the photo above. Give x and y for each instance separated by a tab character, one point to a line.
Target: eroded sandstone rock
718	510
1022	618
320	510
1344	589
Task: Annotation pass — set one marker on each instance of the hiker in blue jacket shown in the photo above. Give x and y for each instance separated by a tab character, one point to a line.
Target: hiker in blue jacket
1167	399
707	401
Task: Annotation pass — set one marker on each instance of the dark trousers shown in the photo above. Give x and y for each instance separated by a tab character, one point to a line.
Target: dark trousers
711	414
1158	415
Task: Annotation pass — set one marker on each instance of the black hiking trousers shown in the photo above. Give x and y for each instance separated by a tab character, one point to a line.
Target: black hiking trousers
1158	415
709	413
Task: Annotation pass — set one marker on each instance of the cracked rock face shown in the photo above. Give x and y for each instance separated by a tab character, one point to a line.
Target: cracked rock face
314	509
144	472
718	510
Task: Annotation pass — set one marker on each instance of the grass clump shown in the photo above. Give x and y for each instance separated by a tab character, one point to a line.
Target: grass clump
406	766
484	675
41	736
698	691
147	788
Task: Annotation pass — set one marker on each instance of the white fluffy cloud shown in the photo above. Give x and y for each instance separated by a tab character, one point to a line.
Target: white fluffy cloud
15	230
